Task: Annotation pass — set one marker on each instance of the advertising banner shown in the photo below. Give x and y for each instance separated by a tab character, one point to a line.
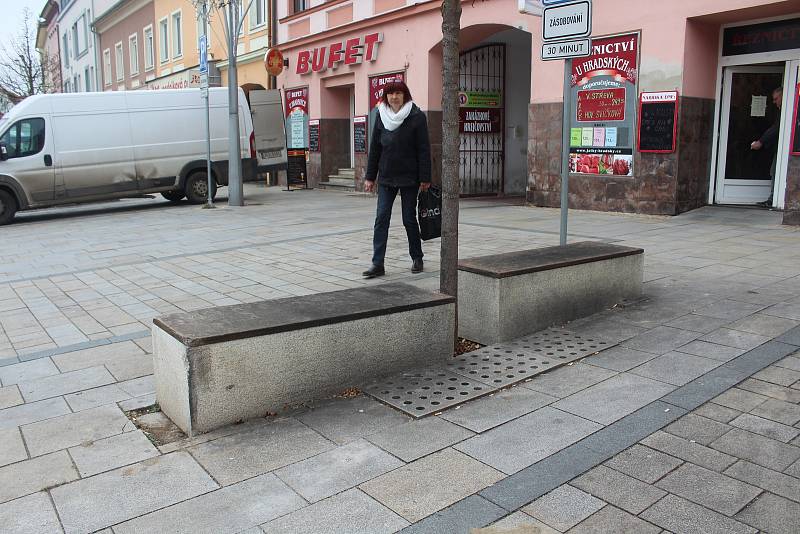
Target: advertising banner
296	108
604	98
377	83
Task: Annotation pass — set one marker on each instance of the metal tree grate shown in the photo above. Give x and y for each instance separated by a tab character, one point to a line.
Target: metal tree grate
508	363
423	392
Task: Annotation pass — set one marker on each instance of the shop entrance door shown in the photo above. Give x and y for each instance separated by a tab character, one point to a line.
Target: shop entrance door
744	176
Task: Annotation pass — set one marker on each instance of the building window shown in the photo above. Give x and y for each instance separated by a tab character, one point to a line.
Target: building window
133	51
66	50
177	35
299	5
163	40
106	67
258	14
66	86
79	36
148	48
120	62
87	80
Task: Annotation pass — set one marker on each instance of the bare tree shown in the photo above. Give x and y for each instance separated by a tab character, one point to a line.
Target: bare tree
23	71
451	26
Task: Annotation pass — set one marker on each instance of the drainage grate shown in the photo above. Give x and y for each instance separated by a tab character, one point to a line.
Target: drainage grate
423	392
508	363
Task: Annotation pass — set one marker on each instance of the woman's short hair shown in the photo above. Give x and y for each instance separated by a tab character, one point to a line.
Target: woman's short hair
397	86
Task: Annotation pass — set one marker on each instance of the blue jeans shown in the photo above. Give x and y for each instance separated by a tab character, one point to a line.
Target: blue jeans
408	197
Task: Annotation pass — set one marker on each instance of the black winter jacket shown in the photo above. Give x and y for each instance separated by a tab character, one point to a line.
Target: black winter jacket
402	157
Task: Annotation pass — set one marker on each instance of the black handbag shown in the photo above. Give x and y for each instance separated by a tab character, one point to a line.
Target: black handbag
429	207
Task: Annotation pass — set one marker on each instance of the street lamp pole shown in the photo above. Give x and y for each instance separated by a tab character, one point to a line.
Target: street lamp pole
235	186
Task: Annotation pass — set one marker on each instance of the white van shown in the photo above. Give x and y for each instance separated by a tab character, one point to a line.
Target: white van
78	147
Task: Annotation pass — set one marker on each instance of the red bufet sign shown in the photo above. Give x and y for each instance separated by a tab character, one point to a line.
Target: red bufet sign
273	61
297	101
377	83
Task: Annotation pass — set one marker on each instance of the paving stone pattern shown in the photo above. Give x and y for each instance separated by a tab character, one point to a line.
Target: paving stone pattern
593	446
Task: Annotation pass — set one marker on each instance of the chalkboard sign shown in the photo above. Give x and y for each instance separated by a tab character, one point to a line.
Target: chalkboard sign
296	173
313	135
796	124
360	134
658	121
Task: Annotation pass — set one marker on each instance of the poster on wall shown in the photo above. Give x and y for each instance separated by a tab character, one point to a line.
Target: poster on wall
360	134
377	83
296	117
604	100
313	135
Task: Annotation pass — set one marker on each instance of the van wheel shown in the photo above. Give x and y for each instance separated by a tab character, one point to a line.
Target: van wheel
197	187
173	196
8	207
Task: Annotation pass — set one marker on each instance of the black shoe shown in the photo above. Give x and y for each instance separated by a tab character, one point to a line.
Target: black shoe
416	267
765	204
372	272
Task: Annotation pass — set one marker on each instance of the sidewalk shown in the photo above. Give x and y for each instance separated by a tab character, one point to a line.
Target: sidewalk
688	423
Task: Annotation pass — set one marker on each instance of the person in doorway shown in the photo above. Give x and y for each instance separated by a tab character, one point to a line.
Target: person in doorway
400	162
769	141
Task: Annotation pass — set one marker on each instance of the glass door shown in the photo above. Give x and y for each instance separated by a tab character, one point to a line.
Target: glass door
745	170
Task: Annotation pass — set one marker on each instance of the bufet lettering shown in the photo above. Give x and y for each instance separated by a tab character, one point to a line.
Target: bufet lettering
331	56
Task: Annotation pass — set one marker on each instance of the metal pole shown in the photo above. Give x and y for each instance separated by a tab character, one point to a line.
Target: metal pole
565	152
235	189
210	200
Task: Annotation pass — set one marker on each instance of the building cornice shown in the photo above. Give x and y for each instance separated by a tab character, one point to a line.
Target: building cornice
117	13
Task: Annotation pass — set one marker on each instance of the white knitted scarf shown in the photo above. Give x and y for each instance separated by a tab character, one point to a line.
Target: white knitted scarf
391	120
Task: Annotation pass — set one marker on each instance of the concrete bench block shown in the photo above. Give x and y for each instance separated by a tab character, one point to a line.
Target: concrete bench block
507	296
217	366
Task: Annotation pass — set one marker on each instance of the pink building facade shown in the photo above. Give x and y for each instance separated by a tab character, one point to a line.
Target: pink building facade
718	60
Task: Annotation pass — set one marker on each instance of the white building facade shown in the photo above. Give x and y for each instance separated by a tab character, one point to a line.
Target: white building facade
79	45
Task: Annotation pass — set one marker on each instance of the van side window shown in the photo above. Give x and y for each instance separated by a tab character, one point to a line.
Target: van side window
24	138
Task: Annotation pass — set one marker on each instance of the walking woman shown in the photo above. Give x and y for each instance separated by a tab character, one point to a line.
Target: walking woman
400	161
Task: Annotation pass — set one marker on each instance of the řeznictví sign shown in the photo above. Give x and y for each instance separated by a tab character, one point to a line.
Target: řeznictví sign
759	38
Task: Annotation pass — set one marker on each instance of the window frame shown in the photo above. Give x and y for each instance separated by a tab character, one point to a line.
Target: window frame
305	4
253	22
133	53
87	80
119	63
65	45
151	44
163	41
176	40
107	72
18	125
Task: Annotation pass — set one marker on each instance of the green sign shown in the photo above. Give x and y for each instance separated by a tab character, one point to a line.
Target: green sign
575	136
480	99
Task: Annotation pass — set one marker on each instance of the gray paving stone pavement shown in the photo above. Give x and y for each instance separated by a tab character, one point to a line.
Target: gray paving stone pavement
564	507
718	321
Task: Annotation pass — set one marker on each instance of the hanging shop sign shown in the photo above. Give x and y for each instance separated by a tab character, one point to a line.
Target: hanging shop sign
480	99
604	102
658	122
296	108
331	56
759	38
480	120
377	83
273	62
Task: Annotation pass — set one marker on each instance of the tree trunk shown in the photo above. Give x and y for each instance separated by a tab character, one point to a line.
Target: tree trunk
448	273
451	25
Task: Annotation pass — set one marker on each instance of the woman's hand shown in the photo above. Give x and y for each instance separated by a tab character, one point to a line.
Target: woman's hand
369	186
424	186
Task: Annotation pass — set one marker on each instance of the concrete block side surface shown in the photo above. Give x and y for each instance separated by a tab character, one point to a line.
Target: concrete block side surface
171	369
247	378
479	307
534	301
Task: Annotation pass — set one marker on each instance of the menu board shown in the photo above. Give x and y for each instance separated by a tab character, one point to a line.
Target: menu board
296	173
796	124
360	134
658	121
313	135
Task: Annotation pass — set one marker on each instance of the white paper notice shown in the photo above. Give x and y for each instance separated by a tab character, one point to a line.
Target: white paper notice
758	106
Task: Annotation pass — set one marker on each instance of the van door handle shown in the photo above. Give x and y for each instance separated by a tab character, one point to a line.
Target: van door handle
48	160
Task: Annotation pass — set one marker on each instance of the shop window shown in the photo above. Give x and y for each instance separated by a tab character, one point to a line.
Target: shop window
24	138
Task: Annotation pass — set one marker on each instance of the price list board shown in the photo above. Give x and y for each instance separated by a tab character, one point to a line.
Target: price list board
658	122
313	135
360	134
296	172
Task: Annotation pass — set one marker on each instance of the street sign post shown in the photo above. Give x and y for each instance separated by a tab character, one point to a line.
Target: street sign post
562	21
566	49
567	20
204	95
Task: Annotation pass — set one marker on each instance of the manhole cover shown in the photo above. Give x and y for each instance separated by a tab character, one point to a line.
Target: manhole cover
423	392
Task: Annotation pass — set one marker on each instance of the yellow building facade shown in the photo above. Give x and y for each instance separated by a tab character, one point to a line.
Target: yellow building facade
176	32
